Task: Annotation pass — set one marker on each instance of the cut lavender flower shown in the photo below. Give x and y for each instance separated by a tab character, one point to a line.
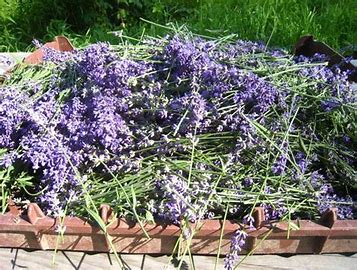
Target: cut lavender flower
237	243
180	129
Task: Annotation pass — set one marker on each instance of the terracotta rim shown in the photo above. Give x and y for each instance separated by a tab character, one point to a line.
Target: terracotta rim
37	231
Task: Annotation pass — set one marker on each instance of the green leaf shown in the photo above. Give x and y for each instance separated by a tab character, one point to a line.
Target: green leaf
293	226
2	151
97	218
134	196
303	144
149	217
64	95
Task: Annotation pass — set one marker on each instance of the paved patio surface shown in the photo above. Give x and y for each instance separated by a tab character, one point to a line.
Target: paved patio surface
20	259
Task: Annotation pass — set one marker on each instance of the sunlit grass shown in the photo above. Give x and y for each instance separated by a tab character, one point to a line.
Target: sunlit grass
277	22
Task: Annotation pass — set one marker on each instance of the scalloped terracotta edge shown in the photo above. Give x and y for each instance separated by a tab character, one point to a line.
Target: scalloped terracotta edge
37	231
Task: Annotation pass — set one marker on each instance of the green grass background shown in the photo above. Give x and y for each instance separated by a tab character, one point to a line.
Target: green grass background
281	22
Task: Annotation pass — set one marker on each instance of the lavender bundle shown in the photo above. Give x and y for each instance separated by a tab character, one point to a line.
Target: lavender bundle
180	129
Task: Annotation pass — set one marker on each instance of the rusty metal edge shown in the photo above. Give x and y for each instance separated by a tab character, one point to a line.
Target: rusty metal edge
37	231
308	46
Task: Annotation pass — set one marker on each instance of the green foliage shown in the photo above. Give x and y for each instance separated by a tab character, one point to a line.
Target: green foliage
278	21
37	18
11	182
285	21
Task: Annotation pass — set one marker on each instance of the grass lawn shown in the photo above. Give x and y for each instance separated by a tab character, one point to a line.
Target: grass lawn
278	22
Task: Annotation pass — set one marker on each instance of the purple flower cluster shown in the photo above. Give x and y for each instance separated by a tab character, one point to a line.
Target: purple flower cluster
279	165
340	90
12	114
301	161
276	211
103	108
204	125
76	120
327	199
257	95
175	201
237	243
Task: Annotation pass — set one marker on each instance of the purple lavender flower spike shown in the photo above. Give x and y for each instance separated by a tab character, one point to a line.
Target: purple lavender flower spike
249	220
329	105
279	166
237	243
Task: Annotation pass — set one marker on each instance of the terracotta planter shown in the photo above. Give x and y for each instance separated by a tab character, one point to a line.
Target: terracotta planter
9	61
60	43
36	231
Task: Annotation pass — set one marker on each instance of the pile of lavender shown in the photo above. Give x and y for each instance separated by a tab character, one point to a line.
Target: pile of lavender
180	129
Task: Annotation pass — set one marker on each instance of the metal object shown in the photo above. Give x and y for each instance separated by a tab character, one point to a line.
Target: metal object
37	231
307	46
